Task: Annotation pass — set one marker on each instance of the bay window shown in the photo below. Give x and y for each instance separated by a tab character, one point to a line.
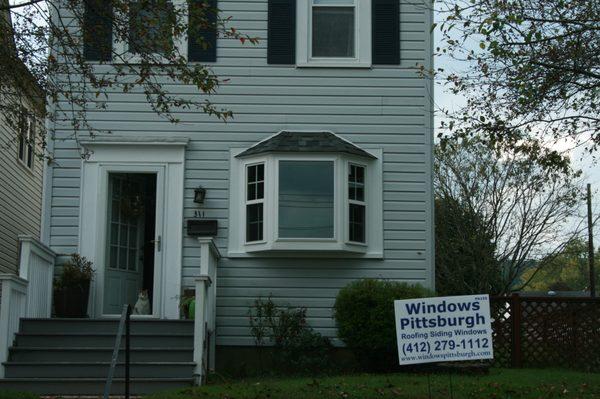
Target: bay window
306	199
306	203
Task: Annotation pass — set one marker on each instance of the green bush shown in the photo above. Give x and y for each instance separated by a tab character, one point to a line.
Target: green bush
299	349
364	313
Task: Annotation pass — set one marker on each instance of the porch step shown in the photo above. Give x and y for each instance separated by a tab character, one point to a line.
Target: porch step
139	326
83	354
97	370
101	340
91	386
72	356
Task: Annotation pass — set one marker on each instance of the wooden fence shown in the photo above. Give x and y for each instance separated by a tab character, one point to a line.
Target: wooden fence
546	332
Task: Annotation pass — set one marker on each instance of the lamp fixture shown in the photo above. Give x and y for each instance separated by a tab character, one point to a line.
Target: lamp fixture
199	195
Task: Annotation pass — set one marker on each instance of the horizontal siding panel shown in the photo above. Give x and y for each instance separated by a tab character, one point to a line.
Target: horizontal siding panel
384	107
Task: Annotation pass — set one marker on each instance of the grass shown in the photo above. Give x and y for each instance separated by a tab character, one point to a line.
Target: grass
499	383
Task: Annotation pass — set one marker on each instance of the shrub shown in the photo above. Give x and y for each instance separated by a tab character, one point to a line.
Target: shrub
298	347
77	272
364	313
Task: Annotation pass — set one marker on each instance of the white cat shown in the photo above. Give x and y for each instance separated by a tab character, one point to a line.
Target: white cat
142	306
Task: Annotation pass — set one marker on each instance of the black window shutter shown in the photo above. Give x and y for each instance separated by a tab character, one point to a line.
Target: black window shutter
281	40
97	30
386	32
202	31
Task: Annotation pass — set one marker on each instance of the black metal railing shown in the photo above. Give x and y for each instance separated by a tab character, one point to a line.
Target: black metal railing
123	324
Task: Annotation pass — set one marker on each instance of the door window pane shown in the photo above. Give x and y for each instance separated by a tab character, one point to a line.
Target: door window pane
333	32
306	191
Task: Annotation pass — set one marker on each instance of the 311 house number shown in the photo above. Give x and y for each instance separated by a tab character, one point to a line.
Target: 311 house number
199	214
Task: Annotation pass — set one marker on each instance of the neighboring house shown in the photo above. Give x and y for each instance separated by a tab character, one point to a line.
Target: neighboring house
21	169
323	177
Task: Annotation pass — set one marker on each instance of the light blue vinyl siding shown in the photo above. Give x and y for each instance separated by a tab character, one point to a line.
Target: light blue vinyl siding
383	107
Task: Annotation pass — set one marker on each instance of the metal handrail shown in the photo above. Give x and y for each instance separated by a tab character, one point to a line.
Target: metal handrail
123	324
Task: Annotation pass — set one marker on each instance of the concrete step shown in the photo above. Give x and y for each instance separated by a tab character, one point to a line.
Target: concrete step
91	386
102	340
97	370
139	326
83	354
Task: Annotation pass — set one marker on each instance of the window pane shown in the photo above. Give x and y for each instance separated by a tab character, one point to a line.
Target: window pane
251	191
356	184
251	173
333	32
357	223
151	27
22	135
306	199
254	222
256	175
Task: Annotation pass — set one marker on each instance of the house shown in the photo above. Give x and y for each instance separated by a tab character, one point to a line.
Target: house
21	168
324	176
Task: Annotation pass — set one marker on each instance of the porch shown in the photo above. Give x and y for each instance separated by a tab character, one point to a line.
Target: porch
51	356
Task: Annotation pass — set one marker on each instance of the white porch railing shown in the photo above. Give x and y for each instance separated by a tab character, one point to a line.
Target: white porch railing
26	295
205	313
37	267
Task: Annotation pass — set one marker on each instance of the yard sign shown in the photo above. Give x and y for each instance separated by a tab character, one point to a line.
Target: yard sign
443	329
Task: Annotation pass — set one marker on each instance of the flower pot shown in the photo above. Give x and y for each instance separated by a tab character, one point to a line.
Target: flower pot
71	302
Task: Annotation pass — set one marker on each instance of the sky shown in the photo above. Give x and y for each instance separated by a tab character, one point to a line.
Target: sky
580	160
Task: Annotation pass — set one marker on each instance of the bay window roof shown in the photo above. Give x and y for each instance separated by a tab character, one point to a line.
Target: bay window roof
302	142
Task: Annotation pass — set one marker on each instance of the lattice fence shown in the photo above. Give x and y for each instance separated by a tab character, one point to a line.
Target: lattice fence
546	332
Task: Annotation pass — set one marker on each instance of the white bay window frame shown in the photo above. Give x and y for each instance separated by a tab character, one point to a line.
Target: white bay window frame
272	244
362	37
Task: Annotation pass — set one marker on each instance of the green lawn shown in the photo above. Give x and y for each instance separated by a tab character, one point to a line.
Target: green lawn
499	383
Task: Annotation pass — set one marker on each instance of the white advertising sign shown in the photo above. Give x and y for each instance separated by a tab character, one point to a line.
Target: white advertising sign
444	329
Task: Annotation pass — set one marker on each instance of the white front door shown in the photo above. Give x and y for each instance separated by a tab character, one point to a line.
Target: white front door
129	204
134	243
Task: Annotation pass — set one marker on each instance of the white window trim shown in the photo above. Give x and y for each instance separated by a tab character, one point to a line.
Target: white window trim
336	195
272	245
363	55
28	141
364	203
180	42
253	202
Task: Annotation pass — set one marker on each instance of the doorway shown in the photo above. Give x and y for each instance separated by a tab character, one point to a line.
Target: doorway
131	243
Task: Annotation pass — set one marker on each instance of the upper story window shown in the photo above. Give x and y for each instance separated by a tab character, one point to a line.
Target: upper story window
26	139
155	29
151	24
151	29
334	33
305	193
333	28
